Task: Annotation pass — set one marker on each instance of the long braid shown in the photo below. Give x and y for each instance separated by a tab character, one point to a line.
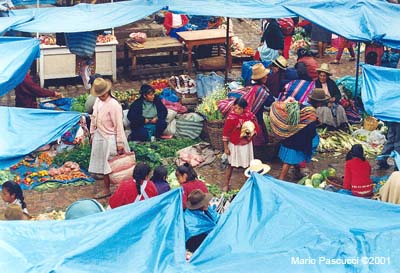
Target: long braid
141	171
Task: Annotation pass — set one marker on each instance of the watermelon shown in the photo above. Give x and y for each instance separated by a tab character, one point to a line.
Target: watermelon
316	182
317	176
325	173
331	171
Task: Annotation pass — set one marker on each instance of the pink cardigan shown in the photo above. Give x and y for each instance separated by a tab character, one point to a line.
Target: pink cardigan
108	120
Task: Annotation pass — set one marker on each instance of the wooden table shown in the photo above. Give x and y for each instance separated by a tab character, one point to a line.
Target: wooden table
151	46
205	37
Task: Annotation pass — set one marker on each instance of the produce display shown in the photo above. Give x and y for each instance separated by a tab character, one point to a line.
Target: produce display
105	38
340	141
126	97
47	40
318	180
78	103
159	85
300	40
79	154
209	106
248	51
5	175
53	215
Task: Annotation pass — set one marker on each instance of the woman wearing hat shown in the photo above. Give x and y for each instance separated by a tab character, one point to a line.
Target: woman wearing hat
147	115
276	79
107	132
338	114
262	98
199	219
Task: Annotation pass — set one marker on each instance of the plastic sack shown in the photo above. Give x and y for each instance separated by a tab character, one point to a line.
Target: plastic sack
171	128
206	84
169	95
58	104
376	138
183	84
125	119
361	134
122	167
171	115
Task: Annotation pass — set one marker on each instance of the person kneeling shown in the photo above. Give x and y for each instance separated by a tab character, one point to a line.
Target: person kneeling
147	115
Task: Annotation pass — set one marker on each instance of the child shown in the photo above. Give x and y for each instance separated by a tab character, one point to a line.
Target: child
357	173
11	193
238	145
159	179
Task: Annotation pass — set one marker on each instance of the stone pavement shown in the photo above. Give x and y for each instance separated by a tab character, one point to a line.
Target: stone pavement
247	30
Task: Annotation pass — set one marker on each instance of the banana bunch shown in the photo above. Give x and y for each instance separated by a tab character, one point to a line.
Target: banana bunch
340	141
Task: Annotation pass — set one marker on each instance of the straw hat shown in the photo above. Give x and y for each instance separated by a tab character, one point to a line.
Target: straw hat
324	68
257	166
14	212
198	199
318	94
100	86
259	71
281	62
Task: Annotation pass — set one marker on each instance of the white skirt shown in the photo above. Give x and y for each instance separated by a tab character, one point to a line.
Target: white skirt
103	149
241	155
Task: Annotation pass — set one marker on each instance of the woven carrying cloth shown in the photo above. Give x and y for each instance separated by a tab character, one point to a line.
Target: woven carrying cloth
279	120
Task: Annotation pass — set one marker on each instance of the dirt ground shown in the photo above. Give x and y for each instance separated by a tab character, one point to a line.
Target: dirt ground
39	202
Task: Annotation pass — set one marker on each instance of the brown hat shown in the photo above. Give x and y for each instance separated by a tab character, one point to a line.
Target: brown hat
198	199
100	86
14	212
324	68
281	62
259	71
318	94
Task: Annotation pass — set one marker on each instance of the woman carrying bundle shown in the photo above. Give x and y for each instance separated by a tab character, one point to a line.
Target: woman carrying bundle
296	126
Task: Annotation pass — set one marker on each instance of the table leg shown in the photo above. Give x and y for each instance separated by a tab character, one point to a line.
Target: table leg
134	61
126	56
219	49
189	58
229	55
180	58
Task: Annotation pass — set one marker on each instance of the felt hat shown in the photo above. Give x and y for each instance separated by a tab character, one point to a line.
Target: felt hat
198	199
324	68
318	94
100	86
257	166
83	208
259	71
281	62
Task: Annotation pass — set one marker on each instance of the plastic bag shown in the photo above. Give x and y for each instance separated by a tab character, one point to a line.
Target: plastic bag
206	84
376	138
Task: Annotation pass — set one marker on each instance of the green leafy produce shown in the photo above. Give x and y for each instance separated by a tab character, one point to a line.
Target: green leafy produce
79	154
293	109
5	175
78	103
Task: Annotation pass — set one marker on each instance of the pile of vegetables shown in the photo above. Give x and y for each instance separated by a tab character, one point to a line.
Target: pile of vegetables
159	85
300	40
53	215
209	106
78	103
105	38
5	175
318	180
125	98
79	154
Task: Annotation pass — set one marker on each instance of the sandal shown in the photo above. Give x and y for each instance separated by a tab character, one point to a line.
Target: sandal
102	195
335	62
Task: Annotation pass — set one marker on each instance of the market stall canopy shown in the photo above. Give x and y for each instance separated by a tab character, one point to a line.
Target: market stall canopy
7	22
232	8
24	130
17	55
146	236
86	17
380	92
359	20
275	225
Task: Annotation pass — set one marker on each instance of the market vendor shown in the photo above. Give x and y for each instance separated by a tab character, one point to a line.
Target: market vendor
337	117
147	115
28	91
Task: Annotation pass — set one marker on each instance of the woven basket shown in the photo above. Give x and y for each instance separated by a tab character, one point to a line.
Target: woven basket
212	63
335	181
214	130
370	123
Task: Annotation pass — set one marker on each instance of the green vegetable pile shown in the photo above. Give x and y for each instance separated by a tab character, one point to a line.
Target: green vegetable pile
293	109
78	103
5	175
79	154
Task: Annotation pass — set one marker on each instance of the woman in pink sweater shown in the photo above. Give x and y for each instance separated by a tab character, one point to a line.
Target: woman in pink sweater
107	132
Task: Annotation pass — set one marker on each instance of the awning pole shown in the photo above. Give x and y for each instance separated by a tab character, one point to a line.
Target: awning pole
226	50
357	67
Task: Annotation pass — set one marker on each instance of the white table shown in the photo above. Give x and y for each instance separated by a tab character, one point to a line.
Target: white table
58	62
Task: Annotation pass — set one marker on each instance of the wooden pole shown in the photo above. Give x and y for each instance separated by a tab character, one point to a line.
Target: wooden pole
226	50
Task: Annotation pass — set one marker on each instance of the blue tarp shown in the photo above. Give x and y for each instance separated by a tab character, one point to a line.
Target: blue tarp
232	8
146	236
380	92
86	17
33	2
7	22
271	225
17	55
360	20
24	130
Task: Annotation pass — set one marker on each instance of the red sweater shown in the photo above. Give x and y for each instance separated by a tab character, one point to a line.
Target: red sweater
190	186
28	91
233	126
357	177
126	193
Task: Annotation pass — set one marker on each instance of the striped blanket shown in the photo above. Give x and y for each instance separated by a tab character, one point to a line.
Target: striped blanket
298	89
279	116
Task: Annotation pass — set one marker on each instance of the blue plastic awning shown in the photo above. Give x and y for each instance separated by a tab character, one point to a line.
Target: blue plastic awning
232	8
380	92
359	20
146	236
274	226
24	130
87	17
17	55
7	22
